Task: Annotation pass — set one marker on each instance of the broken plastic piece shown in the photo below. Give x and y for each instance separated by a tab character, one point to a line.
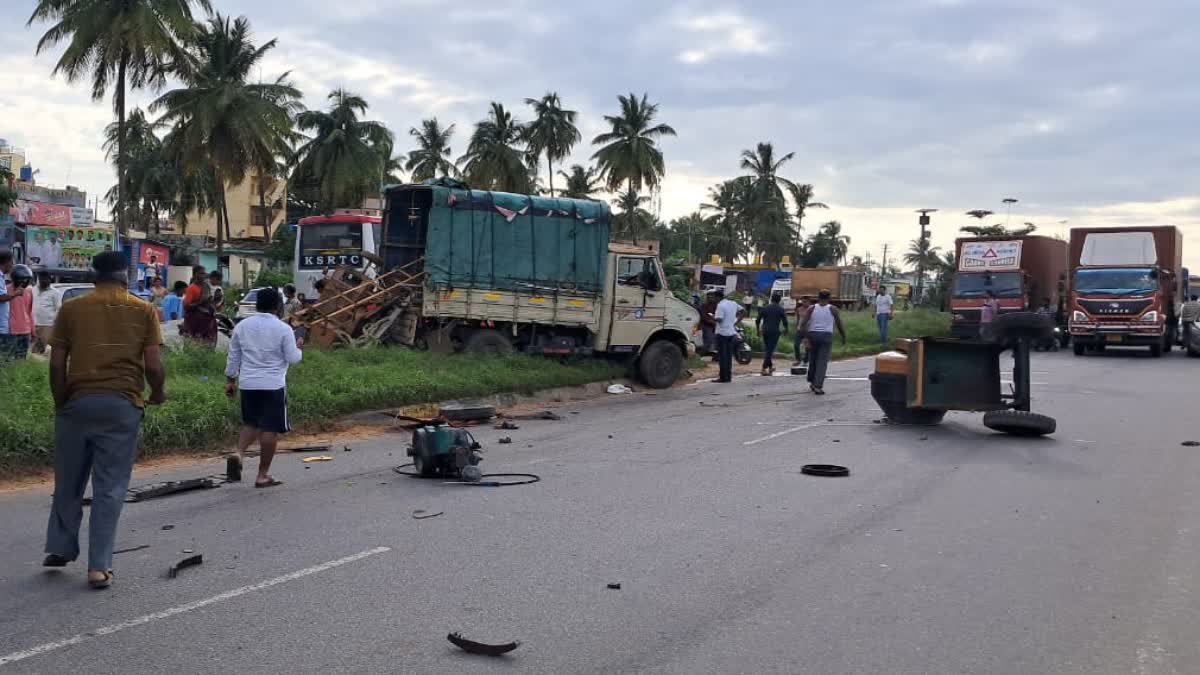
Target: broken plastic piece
614	587
472	647
505	441
319	458
507	426
131	549
171	487
421	515
1190	444
192	561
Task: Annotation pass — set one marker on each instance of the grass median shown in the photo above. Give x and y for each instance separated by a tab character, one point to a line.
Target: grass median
324	386
862	333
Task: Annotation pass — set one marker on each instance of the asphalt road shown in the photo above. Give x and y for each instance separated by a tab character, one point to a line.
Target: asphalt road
947	550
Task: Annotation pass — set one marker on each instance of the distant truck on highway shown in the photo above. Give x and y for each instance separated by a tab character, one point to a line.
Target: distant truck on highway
1022	272
508	272
1127	287
845	283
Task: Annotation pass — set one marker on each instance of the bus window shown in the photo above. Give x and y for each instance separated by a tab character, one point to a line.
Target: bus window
331	237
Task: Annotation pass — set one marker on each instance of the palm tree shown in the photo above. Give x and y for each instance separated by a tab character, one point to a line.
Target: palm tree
727	202
126	44
836	244
150	180
346	158
552	132
630	154
633	220
431	159
922	255
494	159
221	123
771	229
582	183
802	198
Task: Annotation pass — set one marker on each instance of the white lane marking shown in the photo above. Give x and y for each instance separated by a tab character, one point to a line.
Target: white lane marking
181	609
785	432
847	379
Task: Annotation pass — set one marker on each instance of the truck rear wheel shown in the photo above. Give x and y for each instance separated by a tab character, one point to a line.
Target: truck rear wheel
661	364
488	341
1156	351
1078	348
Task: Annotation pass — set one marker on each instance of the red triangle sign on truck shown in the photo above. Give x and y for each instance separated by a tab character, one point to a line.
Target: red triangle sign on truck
991	253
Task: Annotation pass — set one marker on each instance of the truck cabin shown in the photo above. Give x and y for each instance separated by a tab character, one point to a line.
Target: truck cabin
1124	282
974	285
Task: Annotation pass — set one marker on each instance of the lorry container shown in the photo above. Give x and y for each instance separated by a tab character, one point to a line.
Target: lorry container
535	274
1127	287
845	284
1022	272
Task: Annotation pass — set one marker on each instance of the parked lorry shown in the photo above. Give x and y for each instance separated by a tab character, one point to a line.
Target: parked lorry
1127	287
1022	272
504	272
845	283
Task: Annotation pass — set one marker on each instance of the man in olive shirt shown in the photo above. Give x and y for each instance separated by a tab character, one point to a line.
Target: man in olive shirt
105	351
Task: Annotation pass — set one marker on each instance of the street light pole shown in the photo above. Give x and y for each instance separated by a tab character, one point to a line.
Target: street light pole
924	222
1008	201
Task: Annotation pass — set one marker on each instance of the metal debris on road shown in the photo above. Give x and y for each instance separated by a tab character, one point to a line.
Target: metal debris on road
319	458
1190	444
131	549
472	647
420	514
540	415
614	587
197	559
168	527
507	426
346	448
171	487
504	441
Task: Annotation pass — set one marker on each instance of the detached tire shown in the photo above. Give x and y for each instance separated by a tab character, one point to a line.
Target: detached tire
1019	423
660	365
467	412
488	341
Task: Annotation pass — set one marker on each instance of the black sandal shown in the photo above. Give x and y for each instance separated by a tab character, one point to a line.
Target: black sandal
54	560
233	469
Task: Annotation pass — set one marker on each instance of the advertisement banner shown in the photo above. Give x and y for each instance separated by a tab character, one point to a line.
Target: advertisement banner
152	260
82	217
990	256
41	213
65	248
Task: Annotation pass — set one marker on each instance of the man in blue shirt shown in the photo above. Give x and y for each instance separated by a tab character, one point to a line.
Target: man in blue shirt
172	304
142	292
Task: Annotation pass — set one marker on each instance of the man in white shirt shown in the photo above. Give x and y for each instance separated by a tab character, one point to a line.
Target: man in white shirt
46	303
884	312
726	316
260	351
52	252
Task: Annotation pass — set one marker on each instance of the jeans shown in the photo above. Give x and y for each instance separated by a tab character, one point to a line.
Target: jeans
14	347
770	342
95	435
882	320
798	347
818	357
725	356
709	335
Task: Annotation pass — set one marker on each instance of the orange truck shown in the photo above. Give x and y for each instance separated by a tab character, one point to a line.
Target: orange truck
1127	287
845	284
1022	272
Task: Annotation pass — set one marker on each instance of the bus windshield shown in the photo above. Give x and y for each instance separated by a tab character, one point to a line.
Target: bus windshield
974	285
325	245
1118	281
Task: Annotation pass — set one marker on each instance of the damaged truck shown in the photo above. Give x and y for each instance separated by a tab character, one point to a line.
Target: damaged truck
492	272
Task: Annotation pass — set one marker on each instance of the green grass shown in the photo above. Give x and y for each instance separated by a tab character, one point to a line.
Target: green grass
324	386
862	334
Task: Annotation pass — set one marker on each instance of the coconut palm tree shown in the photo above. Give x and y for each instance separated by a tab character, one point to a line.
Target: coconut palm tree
582	183
923	255
431	159
495	159
8	196
123	44
802	194
770	223
632	221
630	154
219	119
150	180
836	244
346	158
551	133
727	202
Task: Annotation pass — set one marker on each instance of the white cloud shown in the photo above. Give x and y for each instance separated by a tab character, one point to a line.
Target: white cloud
720	34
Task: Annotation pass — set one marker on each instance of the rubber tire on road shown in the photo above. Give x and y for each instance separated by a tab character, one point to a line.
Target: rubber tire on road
898	413
1019	423
1064	340
1079	349
467	412
660	365
825	470
1156	351
743	356
488	341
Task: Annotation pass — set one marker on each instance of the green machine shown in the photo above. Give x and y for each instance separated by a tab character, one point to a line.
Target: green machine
442	450
937	375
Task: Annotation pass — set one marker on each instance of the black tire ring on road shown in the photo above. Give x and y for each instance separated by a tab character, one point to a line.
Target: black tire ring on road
467	412
1020	423
825	470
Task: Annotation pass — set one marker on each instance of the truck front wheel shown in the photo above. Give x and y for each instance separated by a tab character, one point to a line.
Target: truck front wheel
488	341
661	364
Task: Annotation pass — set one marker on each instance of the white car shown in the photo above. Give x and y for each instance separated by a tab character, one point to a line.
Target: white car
246	306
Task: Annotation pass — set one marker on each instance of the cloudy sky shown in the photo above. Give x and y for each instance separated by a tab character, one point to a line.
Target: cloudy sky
1085	111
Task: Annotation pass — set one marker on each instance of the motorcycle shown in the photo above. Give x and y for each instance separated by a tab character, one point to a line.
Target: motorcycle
741	351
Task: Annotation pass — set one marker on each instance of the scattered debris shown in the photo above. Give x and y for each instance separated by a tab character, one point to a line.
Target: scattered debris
168	527
319	446
837	440
619	389
467	411
197	559
171	487
346	448
540	415
505	441
614	587
472	647
131	549
318	458
825	470
508	426
1190	444
420	514
610	435
923	438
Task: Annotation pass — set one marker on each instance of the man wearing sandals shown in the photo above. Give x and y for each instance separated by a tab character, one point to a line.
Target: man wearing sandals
260	351
105	350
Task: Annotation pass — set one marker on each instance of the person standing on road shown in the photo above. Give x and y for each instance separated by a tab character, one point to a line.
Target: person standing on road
260	351
801	353
885	311
768	323
106	349
726	318
172	305
987	314
819	323
46	303
708	325
291	304
1189	314
20	312
199	319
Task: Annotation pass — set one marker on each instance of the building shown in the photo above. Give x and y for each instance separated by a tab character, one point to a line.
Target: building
11	158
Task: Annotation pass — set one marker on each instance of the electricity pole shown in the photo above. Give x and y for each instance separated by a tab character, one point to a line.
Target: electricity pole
1009	201
923	221
883	265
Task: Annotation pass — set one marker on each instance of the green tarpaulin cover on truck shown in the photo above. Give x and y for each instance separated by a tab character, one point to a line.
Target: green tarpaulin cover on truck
480	239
